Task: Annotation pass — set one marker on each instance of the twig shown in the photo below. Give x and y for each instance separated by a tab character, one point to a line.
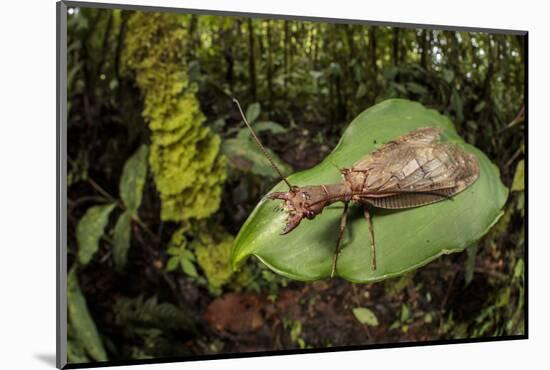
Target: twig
146	228
520	117
445	299
75	203
100	190
494	274
511	160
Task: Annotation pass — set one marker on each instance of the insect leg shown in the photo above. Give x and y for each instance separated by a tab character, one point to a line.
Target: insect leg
371	232
343	222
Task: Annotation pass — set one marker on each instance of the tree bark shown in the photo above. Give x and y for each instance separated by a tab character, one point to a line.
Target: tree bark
195	43
351	43
315	43
373	88
372	51
269	65
491	59
105	44
395	47
229	61
285	55
120	42
251	61
424	46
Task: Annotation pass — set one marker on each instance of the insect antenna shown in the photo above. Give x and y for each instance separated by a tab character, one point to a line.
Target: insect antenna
261	146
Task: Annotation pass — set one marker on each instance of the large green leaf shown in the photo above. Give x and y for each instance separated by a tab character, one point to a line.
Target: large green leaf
81	324
90	229
405	239
133	179
121	240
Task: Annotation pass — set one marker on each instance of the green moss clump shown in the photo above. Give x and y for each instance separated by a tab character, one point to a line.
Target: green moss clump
214	260
185	156
242	279
207	245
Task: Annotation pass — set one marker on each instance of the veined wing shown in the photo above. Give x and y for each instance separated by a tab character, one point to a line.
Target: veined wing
419	168
413	171
420	136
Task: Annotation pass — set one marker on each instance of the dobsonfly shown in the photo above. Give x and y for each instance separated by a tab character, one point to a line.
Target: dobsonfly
410	171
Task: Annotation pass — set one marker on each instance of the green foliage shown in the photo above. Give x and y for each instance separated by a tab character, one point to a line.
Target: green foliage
244	279
425	233
397	285
90	229
269	126
405	318
84	343
295	331
78	169
133	179
518	184
252	112
243	152
501	227
214	259
180	255
365	316
405	313
151	329
503	313
134	312
245	155
131	186
121	239
210	248
183	258
188	170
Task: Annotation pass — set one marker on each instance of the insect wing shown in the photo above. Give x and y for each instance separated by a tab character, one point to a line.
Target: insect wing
414	170
420	136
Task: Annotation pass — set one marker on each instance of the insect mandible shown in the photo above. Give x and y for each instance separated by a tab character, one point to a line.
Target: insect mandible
410	171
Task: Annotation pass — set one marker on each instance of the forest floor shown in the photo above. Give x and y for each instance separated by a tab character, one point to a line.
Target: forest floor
412	308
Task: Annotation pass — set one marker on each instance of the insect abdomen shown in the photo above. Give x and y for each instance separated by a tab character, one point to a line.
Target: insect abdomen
411	200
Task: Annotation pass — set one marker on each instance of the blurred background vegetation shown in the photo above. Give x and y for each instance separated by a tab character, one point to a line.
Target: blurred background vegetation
161	176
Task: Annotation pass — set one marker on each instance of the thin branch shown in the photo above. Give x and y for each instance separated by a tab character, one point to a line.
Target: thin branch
120	44
513	158
520	118
105	44
102	191
77	202
146	228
